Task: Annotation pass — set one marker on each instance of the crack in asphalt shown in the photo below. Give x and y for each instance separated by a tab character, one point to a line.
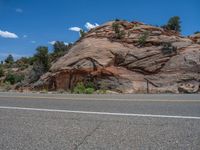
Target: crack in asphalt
87	136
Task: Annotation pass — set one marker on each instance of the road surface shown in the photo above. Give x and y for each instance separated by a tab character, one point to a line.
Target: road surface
102	122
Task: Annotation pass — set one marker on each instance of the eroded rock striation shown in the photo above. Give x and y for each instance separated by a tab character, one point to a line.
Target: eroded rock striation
137	58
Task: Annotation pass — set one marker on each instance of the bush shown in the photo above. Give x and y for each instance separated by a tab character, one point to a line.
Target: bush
82	33
6	86
168	48
13	78
119	34
89	90
142	39
80	88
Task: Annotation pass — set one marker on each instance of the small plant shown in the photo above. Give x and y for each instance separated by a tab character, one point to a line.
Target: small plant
13	78
82	33
82	88
119	34
142	39
168	48
6	86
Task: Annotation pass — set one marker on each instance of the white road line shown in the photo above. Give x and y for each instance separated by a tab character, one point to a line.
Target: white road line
100	113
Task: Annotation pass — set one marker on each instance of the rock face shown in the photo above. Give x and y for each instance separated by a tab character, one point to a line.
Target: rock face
138	59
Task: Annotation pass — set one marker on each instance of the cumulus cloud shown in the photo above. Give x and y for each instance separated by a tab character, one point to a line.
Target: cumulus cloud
19	10
6	34
90	26
76	29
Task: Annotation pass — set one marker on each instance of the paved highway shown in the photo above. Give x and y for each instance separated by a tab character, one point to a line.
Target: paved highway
117	122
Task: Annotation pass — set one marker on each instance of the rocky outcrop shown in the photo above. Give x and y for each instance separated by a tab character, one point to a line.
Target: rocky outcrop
141	59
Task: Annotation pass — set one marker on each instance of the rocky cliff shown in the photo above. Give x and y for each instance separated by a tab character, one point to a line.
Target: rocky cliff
129	57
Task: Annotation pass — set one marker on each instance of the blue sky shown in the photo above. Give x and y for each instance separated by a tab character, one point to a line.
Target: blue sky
30	23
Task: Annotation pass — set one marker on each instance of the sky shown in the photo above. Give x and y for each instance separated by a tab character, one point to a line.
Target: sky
27	24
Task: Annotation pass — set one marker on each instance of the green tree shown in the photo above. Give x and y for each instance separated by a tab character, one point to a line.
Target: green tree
42	57
174	23
9	59
59	47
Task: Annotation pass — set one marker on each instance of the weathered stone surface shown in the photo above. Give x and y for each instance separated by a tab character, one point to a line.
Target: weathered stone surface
189	87
125	66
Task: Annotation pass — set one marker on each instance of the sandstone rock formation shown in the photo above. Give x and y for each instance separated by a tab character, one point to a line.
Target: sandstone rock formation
142	59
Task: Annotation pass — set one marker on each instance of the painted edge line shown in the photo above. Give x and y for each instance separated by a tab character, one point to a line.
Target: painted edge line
100	99
100	113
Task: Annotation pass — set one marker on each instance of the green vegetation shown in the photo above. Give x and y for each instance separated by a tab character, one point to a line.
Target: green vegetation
82	88
1	71
119	34
42	57
59	49
142	39
168	48
173	24
13	78
6	86
196	32
82	33
9	59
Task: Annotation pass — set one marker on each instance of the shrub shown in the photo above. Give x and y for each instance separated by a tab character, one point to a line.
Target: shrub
82	33
13	78
118	32
89	90
80	88
142	39
6	86
168	48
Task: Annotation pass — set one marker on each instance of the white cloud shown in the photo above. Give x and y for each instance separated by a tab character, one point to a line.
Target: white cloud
76	29
6	34
33	42
19	10
90	26
25	36
66	43
52	42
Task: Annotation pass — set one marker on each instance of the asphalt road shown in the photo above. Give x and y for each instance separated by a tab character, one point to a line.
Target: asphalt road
102	122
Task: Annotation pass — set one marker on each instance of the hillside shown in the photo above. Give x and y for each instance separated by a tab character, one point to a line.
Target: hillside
129	57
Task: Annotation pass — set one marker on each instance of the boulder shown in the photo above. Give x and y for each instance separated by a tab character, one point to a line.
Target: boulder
163	63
